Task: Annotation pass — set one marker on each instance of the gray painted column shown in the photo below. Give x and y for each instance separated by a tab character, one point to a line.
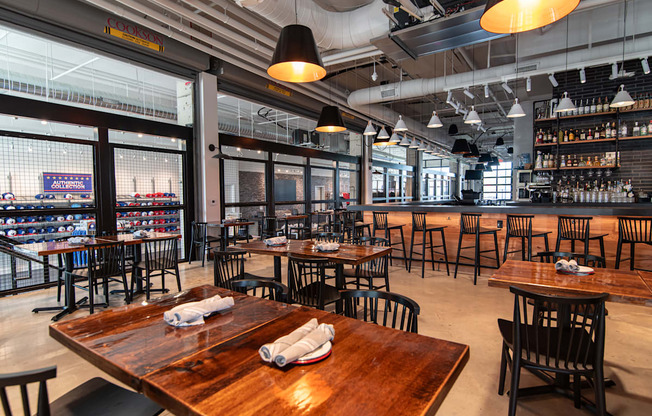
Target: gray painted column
365	169
523	140
208	168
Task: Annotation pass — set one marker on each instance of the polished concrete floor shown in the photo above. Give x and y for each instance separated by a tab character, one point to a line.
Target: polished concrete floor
451	309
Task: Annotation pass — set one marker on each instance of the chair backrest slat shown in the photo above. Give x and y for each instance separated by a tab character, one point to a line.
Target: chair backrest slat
470	223
266	289
21	380
384	308
161	252
635	229
227	267
306	277
419	221
105	259
519	225
379	220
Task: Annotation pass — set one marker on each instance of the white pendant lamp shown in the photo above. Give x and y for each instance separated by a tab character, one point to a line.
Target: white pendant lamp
370	130
434	122
394	139
400	125
516	110
383	134
566	105
422	147
622	99
414	144
405	142
472	117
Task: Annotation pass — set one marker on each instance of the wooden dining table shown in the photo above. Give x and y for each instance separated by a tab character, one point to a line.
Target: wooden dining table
225	226
215	368
622	285
63	247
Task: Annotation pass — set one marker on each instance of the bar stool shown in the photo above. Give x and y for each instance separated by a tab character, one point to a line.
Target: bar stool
577	229
633	230
352	226
470	224
380	223
520	226
419	225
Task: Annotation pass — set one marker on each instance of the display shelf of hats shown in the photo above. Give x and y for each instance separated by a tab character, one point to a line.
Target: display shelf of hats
153	199
45	201
160	221
34	229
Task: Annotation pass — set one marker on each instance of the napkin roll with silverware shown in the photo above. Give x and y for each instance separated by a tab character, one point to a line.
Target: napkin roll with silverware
298	343
276	241
571	266
193	313
327	246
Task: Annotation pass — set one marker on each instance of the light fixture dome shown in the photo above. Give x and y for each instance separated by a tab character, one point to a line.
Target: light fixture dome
422	146
472	117
394	138
370	130
383	134
622	99
565	105
414	144
296	57
400	125
484	158
516	110
434	122
473	151
381	141
460	147
404	141
515	16
330	120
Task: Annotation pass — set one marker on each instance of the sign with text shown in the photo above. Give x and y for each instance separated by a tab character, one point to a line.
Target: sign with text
67	182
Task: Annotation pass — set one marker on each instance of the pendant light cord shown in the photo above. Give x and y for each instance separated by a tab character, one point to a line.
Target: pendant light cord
624	34
296	13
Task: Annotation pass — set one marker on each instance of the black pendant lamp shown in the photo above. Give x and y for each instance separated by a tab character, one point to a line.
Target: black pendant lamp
330	120
515	16
472	175
461	147
500	142
474	152
485	158
296	57
494	161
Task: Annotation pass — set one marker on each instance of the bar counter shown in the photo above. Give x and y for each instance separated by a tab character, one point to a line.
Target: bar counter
605	220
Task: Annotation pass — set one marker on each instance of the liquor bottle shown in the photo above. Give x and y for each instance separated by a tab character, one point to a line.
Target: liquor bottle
560	136
562	162
649	128
553	137
623	130
596	162
580	108
587	107
582	135
607	132
565	136
614	132
644	130
598	107
646	101
581	163
539	162
589	136
593	106
605	105
571	135
636	131
575	162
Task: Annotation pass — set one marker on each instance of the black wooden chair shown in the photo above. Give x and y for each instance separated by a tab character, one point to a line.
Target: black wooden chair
633	231
330	237
383	308
419	226
266	289
559	335
582	259
199	239
470	225
307	282
240	232
380	224
370	271
520	226
96	397
105	261
352	226
270	228
229	266
301	228
577	229
161	258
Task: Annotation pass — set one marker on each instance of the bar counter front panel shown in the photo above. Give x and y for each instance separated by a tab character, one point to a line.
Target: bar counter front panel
605	221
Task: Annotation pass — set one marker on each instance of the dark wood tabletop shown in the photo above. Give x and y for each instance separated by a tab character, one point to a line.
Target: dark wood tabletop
346	254
228	224
62	247
215	369
625	286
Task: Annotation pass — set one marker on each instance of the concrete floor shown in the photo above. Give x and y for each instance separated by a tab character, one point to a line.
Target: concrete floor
451	309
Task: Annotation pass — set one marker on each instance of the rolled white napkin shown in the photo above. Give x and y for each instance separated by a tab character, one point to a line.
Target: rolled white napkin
141	234
276	241
268	352
327	246
315	339
193	313
571	266
78	240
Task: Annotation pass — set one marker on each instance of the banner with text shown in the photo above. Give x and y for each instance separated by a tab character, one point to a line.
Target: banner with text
67	182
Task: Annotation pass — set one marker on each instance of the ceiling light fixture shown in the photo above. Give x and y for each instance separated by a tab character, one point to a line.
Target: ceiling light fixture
330	120
370	130
494	161
434	122
645	65
460	147
382	141
474	151
382	134
514	16
500	142
468	93
528	84
565	105
484	158
296	57
486	91
516	110
622	98
422	147
507	88
472	117
582	76
553	80
449	97
472	175
414	144
400	125
405	142
614	70
394	138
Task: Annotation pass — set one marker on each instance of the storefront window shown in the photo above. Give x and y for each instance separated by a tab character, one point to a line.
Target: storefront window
497	184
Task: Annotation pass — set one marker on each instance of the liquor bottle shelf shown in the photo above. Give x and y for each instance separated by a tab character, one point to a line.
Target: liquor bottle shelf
635	137
603	113
588	167
544	144
587	141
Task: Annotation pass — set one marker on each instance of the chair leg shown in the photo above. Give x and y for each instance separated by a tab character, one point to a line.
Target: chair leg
558	243
388	236
506	248
176	272
598	382
522	248
58	289
203	253
496	248
529	248
91	295
404	251
443	243
513	389
632	251
476	259
619	249
147	284
125	285
503	369
457	259
423	255
411	252
577	391
432	252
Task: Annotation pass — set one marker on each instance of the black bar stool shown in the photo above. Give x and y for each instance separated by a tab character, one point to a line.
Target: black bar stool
470	224
577	229
520	226
419	226
380	223
353	227
633	230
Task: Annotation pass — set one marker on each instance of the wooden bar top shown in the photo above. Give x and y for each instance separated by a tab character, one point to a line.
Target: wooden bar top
346	254
228	224
625	286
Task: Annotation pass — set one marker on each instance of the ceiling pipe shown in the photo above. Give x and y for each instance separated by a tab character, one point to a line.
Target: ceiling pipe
358	57
350	53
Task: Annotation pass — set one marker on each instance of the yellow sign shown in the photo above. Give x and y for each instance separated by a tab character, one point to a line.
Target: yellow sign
133	39
347	115
279	90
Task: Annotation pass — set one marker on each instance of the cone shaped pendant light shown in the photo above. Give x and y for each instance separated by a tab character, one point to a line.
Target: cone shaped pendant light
405	142
370	130
330	120
622	99
565	105
472	117
514	16
394	138
400	124
296	57
434	122
383	134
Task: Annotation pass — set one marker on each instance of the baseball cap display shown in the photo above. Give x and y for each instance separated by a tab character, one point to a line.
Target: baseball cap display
61	229
11	221
61	218
84	196
10	207
12	233
75	205
20	220
67	196
8	196
69	217
134	195
40	196
49	196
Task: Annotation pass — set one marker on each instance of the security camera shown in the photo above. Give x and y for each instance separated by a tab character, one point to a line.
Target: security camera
374	76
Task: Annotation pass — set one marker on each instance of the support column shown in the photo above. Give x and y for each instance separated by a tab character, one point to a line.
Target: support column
208	168
523	134
365	170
